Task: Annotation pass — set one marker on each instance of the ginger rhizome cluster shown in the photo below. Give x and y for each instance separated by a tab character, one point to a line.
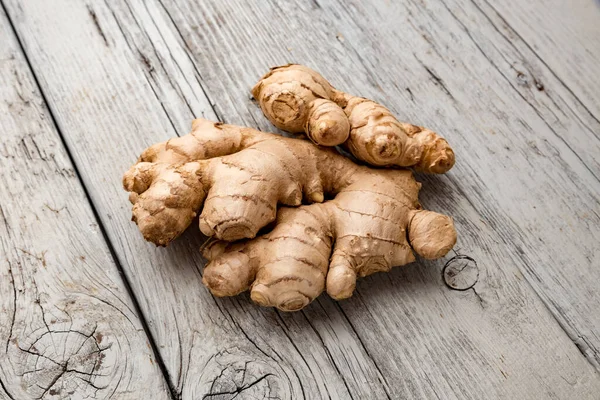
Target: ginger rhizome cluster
297	99
333	220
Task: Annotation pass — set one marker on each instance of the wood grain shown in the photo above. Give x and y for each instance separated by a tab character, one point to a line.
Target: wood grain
564	37
67	325
122	75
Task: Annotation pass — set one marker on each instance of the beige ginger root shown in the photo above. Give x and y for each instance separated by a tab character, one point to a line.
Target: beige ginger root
238	176
297	99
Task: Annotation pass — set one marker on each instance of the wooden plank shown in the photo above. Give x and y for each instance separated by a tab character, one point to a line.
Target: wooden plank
404	334
563	36
564	104
563	237
67	325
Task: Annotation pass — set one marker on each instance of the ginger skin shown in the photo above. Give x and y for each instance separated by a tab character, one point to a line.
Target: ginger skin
297	99
238	176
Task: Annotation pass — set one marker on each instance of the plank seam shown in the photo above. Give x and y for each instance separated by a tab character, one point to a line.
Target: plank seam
360	340
328	354
189	53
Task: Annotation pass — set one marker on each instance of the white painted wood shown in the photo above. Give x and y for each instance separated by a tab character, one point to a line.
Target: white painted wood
123	75
564	36
67	325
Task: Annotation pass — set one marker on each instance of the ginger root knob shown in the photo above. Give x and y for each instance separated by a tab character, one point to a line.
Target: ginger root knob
431	235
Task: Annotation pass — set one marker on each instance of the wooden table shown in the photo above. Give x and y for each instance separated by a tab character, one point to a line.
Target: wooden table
90	310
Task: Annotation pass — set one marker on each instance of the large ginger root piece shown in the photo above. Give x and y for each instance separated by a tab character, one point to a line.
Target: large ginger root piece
297	99
238	176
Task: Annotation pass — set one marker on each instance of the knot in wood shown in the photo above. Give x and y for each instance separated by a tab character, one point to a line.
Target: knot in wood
62	362
234	373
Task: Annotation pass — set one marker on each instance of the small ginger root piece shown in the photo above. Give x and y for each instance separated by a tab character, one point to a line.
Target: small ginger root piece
238	176
297	99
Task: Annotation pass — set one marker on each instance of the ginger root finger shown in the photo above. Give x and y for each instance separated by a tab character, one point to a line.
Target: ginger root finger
341	278
327	123
207	139
246	187
431	235
288	93
229	274
377	137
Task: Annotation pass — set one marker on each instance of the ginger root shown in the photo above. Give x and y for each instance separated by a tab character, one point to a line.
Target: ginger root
297	99
238	176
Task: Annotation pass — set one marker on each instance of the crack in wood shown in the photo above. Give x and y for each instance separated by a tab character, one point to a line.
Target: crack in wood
238	390
97	24
14	313
91	360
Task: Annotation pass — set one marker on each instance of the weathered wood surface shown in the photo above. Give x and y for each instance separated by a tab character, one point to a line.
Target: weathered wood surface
558	211
67	325
564	36
122	75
